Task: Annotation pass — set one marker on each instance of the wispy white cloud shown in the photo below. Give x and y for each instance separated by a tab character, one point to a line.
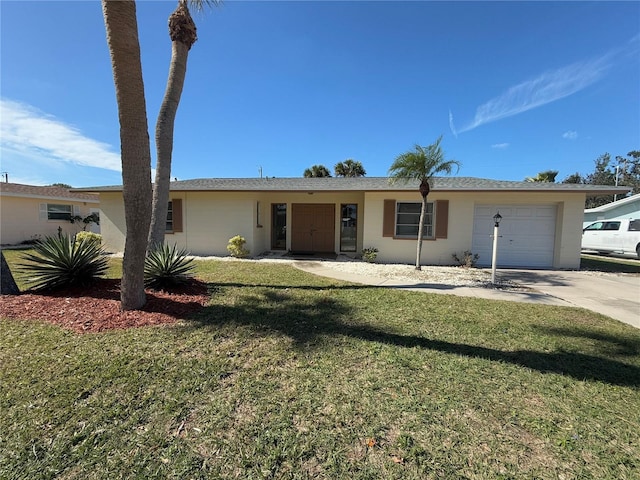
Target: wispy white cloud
546	88
500	146
34	134
570	135
451	125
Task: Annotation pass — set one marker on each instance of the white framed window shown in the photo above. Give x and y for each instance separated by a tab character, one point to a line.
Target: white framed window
56	211
174	216
408	218
169	226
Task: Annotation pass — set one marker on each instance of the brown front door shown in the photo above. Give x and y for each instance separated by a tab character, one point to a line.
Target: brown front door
313	227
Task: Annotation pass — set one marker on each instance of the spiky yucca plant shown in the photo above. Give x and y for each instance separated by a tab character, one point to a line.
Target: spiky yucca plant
167	266
59	261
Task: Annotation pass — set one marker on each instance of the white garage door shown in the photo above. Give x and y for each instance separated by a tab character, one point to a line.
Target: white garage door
527	235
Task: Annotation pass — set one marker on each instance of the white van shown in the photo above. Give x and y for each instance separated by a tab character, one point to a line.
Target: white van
613	236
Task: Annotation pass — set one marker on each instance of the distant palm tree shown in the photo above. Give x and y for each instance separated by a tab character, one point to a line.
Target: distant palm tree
548	176
317	171
349	168
182	31
122	39
421	164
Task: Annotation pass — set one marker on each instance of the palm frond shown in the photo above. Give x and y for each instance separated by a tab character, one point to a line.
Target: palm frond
421	164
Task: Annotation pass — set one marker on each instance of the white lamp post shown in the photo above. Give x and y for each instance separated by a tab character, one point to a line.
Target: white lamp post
496	225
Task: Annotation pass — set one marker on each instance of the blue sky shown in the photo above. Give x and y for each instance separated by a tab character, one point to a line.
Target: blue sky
515	88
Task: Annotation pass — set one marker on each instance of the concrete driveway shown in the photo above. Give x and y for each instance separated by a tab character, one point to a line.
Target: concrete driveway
614	295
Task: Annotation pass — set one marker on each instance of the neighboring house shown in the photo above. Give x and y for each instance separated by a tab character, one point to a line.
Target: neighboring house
28	212
541	225
627	208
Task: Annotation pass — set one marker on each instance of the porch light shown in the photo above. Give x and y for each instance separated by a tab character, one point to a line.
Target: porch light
497	218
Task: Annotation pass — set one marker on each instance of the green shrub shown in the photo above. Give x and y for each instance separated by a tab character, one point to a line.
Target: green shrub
369	254
166	267
467	259
59	261
89	237
236	247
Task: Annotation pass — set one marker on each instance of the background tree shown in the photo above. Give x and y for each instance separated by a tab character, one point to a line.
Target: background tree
61	185
625	169
317	171
574	178
629	171
548	176
421	164
182	31
124	47
349	168
603	174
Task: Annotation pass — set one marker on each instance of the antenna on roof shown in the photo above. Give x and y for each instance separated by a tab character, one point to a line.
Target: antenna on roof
6	177
260	170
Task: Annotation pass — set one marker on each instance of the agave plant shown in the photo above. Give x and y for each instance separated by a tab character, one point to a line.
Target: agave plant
167	266
60	261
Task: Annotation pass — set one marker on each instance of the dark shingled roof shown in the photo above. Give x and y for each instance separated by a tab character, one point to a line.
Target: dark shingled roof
50	193
368	184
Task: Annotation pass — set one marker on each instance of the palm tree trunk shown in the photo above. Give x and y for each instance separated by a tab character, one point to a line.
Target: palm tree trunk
423	209
122	37
164	141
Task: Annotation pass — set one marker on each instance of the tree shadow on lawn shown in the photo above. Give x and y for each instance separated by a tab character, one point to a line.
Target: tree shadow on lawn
605	343
270	310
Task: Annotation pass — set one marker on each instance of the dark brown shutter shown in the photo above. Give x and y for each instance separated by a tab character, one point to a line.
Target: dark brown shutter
442	218
177	214
389	218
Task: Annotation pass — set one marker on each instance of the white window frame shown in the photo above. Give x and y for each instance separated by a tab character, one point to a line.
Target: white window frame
405	220
169	223
53	212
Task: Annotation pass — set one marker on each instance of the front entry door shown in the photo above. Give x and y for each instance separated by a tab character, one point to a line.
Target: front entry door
313	228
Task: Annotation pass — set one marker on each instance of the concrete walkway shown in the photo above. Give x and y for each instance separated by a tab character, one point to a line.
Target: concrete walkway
616	296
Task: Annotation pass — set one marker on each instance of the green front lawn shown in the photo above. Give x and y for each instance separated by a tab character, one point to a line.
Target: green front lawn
288	375
603	263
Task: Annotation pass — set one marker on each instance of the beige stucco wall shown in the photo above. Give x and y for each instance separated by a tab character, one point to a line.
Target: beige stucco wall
20	218
112	225
460	231
210	219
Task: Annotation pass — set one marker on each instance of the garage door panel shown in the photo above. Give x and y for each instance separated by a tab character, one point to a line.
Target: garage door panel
527	235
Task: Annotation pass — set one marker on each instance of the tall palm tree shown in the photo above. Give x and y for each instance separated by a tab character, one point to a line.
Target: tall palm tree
182	31
349	168
122	38
317	171
422	164
548	176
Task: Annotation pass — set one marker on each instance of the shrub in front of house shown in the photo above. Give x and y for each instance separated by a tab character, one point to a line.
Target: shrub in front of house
467	259
236	247
369	254
166	267
60	261
89	237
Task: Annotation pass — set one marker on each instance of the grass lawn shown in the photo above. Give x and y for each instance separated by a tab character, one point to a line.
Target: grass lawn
603	263
287	375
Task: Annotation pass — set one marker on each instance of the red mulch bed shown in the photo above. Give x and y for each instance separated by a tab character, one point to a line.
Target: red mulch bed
96	308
